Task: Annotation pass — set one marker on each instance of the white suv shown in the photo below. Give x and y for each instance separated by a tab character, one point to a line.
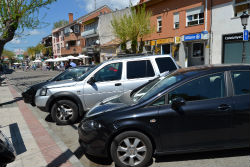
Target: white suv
67	100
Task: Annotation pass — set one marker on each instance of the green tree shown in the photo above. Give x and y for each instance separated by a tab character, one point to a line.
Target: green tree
18	15
120	27
60	23
10	55
133	27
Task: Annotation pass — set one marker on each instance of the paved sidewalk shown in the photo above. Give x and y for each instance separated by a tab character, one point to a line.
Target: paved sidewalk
35	144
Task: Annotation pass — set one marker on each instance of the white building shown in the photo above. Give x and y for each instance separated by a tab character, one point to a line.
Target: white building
227	32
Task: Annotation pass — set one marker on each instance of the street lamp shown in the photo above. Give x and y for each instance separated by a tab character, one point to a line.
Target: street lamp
244	20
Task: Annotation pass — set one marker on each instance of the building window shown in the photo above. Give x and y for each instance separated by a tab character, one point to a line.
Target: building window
241	6
176	20
159	24
198	49
78	43
195	16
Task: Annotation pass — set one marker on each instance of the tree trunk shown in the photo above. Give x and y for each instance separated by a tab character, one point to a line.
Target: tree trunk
1	50
8	33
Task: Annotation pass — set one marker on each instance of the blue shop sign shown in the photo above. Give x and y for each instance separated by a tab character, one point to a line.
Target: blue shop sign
192	37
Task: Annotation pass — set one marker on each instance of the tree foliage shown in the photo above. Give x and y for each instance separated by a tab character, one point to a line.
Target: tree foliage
60	23
133	27
18	15
9	54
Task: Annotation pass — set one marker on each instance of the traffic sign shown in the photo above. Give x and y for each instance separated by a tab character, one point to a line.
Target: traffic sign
245	35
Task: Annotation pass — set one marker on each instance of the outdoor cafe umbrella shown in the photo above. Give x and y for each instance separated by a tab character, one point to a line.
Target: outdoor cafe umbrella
82	56
37	61
50	60
72	57
61	59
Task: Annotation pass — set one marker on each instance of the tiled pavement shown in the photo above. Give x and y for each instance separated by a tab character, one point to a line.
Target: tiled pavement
35	145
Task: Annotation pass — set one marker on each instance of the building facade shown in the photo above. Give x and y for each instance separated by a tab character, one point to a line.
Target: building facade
182	30
108	42
227	31
90	33
79	36
57	42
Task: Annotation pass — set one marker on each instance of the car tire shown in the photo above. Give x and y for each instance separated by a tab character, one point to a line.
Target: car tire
131	148
64	112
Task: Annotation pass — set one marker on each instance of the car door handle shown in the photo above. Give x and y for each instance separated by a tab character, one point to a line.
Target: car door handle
224	107
118	84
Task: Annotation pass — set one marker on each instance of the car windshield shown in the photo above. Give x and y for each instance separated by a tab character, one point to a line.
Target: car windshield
72	73
81	78
156	86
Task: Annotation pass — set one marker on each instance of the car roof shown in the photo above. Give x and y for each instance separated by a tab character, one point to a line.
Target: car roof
197	70
131	57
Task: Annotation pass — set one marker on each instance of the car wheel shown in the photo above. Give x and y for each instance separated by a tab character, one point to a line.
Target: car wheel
131	148
64	112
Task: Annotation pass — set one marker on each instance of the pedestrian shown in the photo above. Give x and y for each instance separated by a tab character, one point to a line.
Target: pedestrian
67	65
80	63
72	64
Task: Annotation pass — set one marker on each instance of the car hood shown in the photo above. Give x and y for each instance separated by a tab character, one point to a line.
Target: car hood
59	84
40	85
110	104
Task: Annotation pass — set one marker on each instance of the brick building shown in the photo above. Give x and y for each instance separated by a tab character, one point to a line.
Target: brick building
77	36
182	29
197	32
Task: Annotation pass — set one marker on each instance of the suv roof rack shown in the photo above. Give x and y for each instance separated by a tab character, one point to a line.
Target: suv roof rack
121	55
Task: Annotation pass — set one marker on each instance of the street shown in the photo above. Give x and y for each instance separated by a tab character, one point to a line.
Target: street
20	80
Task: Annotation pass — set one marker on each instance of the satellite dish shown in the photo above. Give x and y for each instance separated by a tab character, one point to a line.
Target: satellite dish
97	42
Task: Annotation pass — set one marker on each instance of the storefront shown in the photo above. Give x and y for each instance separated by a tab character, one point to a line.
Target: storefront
233	47
195	48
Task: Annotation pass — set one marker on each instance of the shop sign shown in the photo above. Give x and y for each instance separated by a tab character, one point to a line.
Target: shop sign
20	57
153	43
234	37
90	50
166	40
245	35
191	37
177	39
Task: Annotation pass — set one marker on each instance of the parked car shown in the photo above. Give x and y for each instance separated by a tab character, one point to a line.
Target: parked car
67	100
7	151
193	109
71	73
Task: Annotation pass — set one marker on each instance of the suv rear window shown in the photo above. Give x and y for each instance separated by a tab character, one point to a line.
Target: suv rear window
165	64
139	69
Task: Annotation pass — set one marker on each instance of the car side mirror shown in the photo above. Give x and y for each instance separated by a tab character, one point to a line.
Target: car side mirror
91	81
177	103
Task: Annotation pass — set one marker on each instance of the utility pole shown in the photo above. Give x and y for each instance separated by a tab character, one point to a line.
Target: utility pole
95	4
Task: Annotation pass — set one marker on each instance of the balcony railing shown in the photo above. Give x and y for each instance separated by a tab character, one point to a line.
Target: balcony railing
88	33
71	50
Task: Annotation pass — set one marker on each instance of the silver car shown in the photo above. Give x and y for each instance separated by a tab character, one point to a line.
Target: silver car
69	100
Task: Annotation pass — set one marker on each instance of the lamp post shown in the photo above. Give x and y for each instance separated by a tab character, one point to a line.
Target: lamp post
244	20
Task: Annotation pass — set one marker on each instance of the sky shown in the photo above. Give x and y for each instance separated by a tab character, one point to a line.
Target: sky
59	11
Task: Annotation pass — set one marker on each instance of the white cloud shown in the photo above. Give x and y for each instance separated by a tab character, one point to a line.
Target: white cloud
35	32
89	5
15	41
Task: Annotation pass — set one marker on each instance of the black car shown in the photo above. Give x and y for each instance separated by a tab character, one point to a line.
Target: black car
71	73
193	109
7	151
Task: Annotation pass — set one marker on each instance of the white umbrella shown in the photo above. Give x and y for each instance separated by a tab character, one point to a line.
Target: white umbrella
50	60
72	57
82	56
37	61
61	59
